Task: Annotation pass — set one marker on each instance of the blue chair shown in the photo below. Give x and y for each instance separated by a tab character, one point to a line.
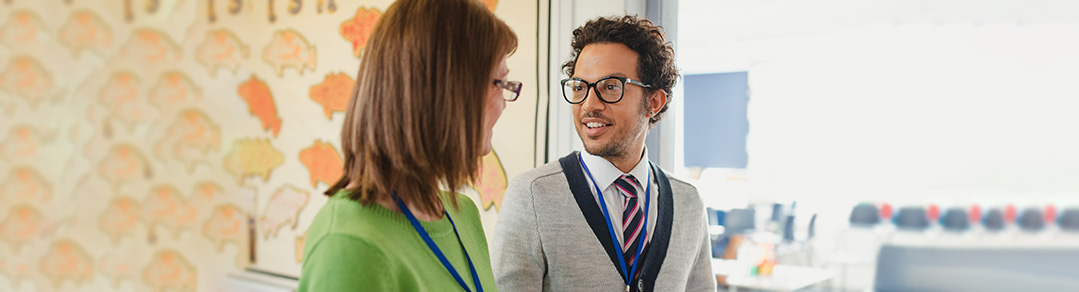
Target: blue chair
1069	219
955	219
864	215
912	218
1031	220
993	220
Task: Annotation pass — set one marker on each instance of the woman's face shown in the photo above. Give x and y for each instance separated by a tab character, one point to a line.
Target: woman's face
495	104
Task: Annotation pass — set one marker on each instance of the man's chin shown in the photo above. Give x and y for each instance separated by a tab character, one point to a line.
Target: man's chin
599	150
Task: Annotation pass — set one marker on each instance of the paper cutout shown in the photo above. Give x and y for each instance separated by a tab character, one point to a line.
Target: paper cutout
289	49
23	28
164	207
300	241
323	163
333	93
124	163
150	47
118	266
170	271
173	89
22	142
67	261
189	139
252	157
491	4
221	49
25	185
22	225
358	28
227	223
120	219
25	77
85	31
282	210
491	181
260	103
121	95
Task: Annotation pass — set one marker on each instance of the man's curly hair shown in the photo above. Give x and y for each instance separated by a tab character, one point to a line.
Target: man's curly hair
655	61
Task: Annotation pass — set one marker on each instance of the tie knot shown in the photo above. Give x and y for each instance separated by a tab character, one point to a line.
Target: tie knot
628	184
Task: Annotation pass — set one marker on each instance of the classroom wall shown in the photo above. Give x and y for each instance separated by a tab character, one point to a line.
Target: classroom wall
163	144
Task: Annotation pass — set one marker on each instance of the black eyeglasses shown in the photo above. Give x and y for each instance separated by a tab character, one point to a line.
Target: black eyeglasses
510	89
609	89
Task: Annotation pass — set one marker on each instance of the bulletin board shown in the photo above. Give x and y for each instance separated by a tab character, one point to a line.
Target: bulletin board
160	145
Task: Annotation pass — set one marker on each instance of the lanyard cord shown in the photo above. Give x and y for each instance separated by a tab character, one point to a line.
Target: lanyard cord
610	226
438	252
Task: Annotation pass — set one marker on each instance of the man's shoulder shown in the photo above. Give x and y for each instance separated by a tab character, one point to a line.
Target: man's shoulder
683	190
680	186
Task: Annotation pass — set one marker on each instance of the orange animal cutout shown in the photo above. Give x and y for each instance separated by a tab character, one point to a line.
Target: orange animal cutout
260	103
25	185
300	241
282	210
67	261
170	271
23	224
358	28
85	31
173	89
252	157
189	139
491	4
323	163
289	49
164	207
226	224
333	93
119	265
120	95
22	142
491	182
124	163
205	195
24	27
221	49
120	219
19	267
25	77
150	47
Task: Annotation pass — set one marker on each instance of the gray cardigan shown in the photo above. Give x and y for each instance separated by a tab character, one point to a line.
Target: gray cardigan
551	236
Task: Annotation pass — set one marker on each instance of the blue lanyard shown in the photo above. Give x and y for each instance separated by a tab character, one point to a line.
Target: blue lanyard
438	252
610	226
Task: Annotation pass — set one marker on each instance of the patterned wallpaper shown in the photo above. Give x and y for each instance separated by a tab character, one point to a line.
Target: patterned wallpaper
157	145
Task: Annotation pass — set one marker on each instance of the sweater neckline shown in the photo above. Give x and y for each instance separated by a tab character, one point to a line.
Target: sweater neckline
437	228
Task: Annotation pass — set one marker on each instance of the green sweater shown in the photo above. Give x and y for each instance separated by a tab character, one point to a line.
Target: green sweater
351	247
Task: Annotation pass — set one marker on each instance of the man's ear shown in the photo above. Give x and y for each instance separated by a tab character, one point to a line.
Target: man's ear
656	101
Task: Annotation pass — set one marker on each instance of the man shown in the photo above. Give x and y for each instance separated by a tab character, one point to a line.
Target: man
607	219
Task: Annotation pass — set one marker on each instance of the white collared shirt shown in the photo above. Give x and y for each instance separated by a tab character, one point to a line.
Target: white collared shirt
606	173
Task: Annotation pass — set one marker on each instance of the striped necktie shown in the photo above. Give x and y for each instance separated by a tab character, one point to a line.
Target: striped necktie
632	218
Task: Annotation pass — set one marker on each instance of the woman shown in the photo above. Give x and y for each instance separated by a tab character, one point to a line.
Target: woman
430	87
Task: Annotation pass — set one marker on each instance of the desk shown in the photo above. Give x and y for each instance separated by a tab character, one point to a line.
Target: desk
783	277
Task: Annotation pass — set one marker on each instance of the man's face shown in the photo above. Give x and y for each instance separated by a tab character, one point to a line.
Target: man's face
610	129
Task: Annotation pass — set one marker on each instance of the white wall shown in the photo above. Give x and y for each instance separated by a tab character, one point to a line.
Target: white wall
905	101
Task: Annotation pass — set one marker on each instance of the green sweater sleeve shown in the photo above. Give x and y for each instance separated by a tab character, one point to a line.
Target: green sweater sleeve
344	263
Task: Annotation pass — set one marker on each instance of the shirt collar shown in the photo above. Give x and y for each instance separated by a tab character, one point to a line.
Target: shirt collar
605	173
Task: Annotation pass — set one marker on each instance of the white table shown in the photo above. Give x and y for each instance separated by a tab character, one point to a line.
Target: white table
783	277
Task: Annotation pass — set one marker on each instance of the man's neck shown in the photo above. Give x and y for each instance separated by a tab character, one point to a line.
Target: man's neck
628	161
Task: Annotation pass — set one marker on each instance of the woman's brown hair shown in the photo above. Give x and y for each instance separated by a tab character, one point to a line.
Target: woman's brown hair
415	120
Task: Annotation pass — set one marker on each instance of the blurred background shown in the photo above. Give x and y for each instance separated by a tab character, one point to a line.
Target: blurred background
840	145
